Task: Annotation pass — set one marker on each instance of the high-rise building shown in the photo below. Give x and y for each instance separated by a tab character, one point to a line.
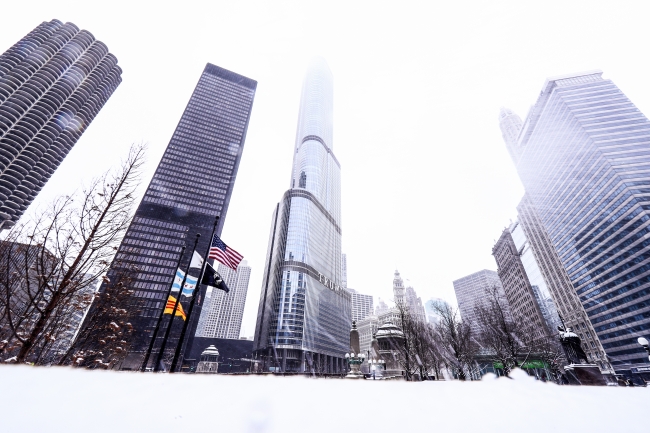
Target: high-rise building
524	307
433	317
399	291
362	305
569	309
53	82
344	271
304	315
535	277
583	151
223	314
381	307
471	293
200	327
192	184
414	303
510	125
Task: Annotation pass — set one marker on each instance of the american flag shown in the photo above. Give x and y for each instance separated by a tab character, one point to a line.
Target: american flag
224	254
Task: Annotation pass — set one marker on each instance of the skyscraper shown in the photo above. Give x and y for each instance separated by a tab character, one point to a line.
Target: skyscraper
583	161
381	307
304	313
362	305
471	290
414	303
399	291
223	314
53	82
535	276
344	271
433	317
510	125
524	306
192	184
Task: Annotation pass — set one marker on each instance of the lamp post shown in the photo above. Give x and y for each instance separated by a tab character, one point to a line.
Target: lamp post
643	342
354	361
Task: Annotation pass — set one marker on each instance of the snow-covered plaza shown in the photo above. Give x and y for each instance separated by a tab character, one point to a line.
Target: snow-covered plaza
40	399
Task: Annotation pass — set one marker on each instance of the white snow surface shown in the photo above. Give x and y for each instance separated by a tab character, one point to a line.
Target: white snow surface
62	399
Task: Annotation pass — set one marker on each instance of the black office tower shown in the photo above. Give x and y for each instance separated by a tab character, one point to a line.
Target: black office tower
53	82
192	184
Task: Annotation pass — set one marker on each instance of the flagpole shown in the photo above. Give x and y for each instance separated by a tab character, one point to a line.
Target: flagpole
179	345
163	345
160	316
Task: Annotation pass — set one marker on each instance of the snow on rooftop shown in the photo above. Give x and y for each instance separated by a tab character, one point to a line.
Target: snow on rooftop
36	399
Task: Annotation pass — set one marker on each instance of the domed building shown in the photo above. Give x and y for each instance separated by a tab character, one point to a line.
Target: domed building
209	360
390	338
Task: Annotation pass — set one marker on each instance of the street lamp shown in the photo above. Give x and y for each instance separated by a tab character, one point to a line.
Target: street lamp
354	361
643	342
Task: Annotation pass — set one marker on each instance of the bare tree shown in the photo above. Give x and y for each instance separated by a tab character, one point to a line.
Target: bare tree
456	344
550	352
506	340
104	339
435	356
406	347
48	265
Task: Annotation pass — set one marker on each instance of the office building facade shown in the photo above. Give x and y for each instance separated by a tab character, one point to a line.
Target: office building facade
414	302
524	308
538	284
583	161
304	314
569	308
344	271
224	312
510	125
192	184
471	293
399	291
362	305
53	82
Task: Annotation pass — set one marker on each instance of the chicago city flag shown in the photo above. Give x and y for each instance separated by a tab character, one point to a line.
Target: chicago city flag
188	287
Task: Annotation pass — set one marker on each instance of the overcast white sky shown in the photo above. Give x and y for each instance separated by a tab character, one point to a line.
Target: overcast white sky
427	182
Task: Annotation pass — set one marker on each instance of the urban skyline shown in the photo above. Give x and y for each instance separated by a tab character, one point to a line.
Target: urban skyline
447	298
409	129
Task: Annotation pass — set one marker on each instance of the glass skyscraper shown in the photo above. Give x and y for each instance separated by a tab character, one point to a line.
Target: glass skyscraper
556	280
584	159
192	184
53	82
304	314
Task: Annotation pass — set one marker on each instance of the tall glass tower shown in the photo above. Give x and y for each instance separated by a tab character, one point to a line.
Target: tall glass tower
584	159
304	314
53	82
192	184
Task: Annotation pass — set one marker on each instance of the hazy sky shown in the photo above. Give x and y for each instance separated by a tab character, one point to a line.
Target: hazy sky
427	184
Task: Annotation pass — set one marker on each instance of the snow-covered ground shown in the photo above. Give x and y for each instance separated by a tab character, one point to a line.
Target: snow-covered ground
38	399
